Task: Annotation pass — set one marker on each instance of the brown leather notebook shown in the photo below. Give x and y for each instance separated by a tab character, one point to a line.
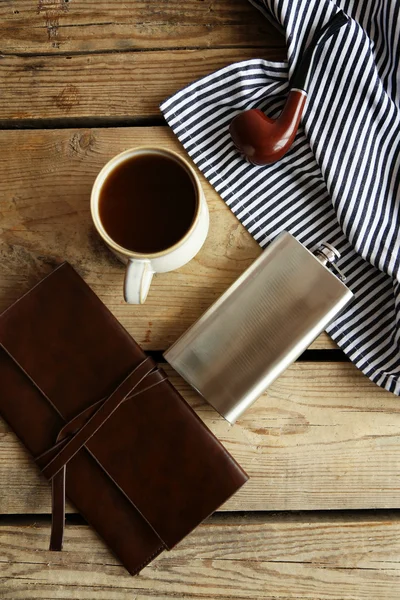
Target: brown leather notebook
105	425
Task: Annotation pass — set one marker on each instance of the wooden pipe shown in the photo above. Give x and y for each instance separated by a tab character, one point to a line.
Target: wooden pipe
263	140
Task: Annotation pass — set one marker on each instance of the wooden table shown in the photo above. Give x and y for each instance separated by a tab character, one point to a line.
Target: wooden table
81	81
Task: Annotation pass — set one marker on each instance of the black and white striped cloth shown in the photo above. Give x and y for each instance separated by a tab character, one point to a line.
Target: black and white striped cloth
340	182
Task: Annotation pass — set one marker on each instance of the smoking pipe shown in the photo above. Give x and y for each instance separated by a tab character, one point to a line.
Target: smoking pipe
263	140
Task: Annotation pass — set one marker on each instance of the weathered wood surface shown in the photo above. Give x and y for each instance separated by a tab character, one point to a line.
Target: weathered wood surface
105	86
45	183
269	557
54	26
324	437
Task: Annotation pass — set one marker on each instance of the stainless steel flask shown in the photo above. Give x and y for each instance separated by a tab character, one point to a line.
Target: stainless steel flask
260	325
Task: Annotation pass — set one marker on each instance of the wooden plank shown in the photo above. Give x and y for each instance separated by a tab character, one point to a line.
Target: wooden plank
45	26
271	558
119	86
45	183
323	437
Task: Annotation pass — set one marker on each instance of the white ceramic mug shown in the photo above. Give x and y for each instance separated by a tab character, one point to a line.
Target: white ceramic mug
140	268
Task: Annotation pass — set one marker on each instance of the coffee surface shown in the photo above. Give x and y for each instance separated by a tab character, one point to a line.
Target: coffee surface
148	203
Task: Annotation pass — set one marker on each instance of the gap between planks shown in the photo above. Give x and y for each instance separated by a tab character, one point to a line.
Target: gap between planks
273	48
310	355
81	123
234	517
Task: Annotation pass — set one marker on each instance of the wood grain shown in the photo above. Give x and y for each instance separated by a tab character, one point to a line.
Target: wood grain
266	557
105	86
54	26
323	437
45	183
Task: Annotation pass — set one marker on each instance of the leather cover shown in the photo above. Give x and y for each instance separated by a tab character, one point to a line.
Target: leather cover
142	469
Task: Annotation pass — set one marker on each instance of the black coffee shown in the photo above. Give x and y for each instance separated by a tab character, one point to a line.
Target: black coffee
148	203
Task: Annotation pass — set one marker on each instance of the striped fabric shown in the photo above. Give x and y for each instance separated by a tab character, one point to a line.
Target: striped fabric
340	182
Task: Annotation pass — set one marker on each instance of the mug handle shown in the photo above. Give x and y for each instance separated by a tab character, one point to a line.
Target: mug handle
138	276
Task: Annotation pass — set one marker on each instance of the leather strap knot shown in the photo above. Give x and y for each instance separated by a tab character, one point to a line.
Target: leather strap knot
75	434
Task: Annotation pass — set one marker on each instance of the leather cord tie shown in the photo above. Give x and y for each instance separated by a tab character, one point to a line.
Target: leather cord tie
75	434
